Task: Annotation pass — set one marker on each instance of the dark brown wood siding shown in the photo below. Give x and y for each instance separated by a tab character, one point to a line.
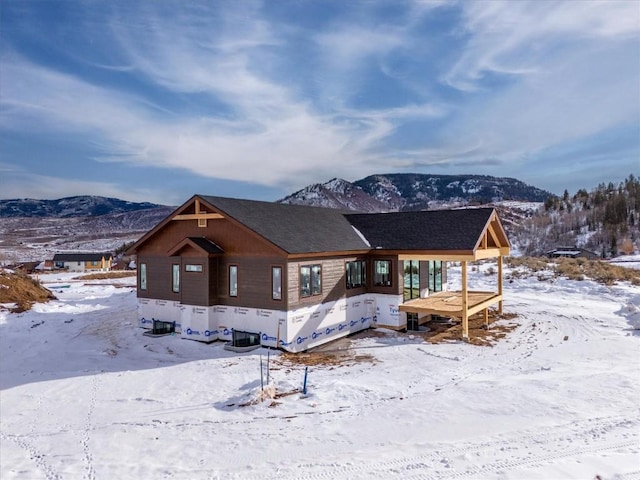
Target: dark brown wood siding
214	280
253	255
352	292
234	239
211	287
194	286
159	283
254	282
397	276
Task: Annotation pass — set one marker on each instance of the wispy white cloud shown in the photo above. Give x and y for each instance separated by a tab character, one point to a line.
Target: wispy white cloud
283	144
527	76
270	135
520	37
540	75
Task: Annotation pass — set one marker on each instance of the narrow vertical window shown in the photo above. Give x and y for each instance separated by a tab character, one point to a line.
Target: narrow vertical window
276	283
435	275
175	275
143	276
382	273
355	274
411	279
233	280
316	280
432	277
305	281
438	276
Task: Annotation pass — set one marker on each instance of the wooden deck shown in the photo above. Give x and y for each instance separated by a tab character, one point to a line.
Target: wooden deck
449	304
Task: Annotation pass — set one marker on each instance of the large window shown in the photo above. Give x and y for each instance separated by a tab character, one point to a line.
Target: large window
175	275
233	280
382	273
411	279
310	280
435	276
143	276
355	274
276	283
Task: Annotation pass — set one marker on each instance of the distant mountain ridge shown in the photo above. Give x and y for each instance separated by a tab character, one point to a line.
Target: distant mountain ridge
79	206
411	191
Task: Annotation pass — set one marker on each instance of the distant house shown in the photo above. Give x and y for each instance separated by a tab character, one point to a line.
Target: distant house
295	277
83	262
45	266
571	252
25	267
123	263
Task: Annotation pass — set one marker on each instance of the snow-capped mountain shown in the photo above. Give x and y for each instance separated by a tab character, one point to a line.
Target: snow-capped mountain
337	193
406	191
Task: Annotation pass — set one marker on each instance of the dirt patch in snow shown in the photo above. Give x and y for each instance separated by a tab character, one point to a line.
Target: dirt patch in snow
338	357
106	275
22	291
479	334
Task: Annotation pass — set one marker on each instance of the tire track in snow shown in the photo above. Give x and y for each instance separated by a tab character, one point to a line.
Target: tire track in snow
629	476
559	440
533	461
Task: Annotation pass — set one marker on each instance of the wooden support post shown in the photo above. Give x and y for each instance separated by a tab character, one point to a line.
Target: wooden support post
486	318
500	283
465	303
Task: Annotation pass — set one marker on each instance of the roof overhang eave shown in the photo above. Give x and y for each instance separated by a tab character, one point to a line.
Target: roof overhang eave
298	255
455	255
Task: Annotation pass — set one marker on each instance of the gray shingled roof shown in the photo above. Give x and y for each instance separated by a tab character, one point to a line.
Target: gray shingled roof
424	230
293	228
80	257
206	245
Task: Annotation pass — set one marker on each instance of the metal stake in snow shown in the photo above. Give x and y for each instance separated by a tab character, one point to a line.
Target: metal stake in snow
261	378
304	383
267	367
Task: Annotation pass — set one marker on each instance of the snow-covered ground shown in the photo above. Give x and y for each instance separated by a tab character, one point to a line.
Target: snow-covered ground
628	261
84	395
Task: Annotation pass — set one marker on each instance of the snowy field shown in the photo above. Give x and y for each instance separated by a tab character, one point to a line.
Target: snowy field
84	395
628	261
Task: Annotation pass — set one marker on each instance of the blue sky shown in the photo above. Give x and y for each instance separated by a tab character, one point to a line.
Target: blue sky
156	101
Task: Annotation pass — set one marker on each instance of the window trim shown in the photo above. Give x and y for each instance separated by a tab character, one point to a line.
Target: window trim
435	275
312	291
175	277
317	266
389	282
413	267
276	294
349	276
233	293
143	276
